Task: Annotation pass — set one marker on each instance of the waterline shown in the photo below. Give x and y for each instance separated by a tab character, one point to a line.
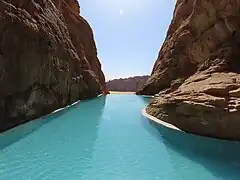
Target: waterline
109	138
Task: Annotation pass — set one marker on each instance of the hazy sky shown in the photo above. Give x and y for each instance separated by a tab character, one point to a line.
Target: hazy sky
128	33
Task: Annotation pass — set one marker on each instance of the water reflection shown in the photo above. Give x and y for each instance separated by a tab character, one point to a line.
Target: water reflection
219	157
146	99
13	135
63	142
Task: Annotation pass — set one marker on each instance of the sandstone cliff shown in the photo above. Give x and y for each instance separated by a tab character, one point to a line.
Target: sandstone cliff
82	36
48	59
197	71
131	84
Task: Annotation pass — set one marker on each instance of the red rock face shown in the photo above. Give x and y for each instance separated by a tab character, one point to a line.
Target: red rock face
82	36
48	59
198	29
197	74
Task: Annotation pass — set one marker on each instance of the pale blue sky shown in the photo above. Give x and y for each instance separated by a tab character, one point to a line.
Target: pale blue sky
128	33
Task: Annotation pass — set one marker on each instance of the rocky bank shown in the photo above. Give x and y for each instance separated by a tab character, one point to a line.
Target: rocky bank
48	59
197	71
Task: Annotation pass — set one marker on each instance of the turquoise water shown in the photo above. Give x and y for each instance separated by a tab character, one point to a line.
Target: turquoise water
109	139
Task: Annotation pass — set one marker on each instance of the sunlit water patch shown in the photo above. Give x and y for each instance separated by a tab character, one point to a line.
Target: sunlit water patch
107	138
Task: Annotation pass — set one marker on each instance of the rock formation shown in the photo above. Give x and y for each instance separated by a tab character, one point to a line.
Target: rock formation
82	36
48	59
131	84
197	71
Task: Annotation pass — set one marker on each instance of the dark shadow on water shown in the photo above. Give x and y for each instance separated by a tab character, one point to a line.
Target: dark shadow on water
13	135
146	99
220	157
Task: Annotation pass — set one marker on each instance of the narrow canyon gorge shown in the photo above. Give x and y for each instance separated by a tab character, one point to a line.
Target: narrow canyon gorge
196	75
48	59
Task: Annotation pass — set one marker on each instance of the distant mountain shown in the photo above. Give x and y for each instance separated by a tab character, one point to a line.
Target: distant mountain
130	84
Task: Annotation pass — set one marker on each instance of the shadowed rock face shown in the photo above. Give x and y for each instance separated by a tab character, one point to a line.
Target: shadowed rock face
48	59
197	71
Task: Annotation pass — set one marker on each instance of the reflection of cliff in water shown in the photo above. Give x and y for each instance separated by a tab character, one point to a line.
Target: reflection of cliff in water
219	157
146	99
13	135
63	142
81	132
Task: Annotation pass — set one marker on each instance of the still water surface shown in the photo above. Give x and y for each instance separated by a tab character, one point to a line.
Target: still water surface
107	138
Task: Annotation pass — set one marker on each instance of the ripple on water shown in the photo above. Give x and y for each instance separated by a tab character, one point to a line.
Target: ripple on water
107	138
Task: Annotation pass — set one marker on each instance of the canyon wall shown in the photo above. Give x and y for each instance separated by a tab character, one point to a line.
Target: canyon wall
48	59
197	72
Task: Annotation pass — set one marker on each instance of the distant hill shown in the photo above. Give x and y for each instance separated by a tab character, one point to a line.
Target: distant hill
130	84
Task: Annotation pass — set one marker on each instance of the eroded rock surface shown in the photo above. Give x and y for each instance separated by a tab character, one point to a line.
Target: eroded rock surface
197	71
81	36
48	59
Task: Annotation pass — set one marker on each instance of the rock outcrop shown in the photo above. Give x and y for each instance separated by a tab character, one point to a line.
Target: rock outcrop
48	59
131	84
197	71
82	36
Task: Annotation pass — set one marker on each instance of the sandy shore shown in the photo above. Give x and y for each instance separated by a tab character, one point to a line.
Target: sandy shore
119	92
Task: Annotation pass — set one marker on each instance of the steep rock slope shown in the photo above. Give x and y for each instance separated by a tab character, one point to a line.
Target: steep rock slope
41	68
84	40
197	71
